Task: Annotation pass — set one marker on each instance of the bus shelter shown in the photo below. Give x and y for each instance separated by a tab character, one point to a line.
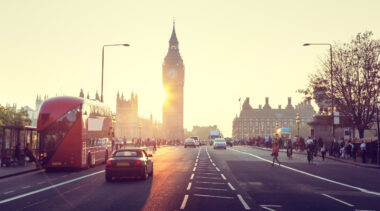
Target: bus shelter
13	142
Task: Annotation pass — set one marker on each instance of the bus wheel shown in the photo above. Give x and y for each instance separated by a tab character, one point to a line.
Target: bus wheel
89	161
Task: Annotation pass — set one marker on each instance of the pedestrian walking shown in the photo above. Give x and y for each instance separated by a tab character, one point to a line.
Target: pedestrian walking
310	150
323	151
363	148
289	148
275	149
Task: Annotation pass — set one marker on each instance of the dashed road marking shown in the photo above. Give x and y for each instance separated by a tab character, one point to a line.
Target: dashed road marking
8	192
39	183
216	183
188	186
217	168
192	176
25	187
232	187
209	177
219	189
222	197
223	177
243	202
343	202
267	207
208	173
183	205
195	168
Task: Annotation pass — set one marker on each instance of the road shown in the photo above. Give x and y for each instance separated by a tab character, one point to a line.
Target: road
239	178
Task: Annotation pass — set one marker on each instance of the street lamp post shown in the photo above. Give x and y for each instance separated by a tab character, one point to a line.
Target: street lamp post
126	45
378	130
331	81
298	124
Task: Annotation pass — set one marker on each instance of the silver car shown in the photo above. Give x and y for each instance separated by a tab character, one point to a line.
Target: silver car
220	143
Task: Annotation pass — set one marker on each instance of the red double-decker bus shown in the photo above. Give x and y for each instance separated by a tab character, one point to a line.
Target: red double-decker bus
74	133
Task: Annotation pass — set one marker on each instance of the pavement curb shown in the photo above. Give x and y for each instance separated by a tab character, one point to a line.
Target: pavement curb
327	157
21	172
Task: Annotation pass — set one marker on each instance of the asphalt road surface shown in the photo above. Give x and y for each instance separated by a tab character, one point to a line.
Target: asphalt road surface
239	178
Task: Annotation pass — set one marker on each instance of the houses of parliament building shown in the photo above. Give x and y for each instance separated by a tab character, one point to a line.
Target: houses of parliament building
262	121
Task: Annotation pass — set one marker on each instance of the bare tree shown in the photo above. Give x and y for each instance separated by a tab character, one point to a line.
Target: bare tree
356	80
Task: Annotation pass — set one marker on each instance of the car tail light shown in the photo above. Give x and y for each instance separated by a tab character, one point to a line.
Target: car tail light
109	163
138	162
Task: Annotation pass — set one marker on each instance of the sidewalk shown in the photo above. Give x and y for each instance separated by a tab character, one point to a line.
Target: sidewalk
352	162
17	170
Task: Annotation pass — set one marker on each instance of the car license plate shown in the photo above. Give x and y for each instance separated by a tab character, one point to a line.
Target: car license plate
122	164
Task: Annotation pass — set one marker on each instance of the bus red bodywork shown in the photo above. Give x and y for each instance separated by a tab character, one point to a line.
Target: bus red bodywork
74	132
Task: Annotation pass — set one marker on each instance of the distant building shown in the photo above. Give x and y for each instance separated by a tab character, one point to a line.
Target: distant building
33	113
127	122
129	125
262	121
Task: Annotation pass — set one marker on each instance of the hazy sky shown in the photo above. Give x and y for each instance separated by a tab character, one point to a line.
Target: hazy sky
230	49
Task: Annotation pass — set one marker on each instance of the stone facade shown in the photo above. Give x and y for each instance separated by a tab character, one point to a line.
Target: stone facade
127	122
262	121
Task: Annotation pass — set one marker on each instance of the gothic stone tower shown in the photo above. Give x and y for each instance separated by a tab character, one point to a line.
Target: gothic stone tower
173	78
126	117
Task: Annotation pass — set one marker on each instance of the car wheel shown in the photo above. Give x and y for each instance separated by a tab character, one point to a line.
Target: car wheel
108	178
151	172
145	174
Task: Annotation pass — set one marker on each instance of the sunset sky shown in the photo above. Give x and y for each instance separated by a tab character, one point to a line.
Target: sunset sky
230	49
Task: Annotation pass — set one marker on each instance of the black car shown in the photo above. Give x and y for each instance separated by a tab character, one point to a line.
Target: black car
129	163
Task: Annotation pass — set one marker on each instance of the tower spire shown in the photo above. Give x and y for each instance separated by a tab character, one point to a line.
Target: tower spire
173	38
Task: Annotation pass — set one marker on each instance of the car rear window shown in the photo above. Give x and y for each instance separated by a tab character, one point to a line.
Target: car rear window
128	154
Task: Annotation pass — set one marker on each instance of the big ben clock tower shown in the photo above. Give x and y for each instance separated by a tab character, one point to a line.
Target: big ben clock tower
173	78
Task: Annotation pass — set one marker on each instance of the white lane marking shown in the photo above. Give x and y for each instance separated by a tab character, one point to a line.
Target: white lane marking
315	176
222	197
192	176
223	176
243	202
216	183
343	202
195	164
267	207
209	177
49	187
208	173
8	192
217	168
196	160
25	187
210	188
232	187
188	186
211	161
213	164
40	183
183	205
207	170
194	168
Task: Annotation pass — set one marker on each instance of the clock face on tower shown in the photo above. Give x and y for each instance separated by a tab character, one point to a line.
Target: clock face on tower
172	73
